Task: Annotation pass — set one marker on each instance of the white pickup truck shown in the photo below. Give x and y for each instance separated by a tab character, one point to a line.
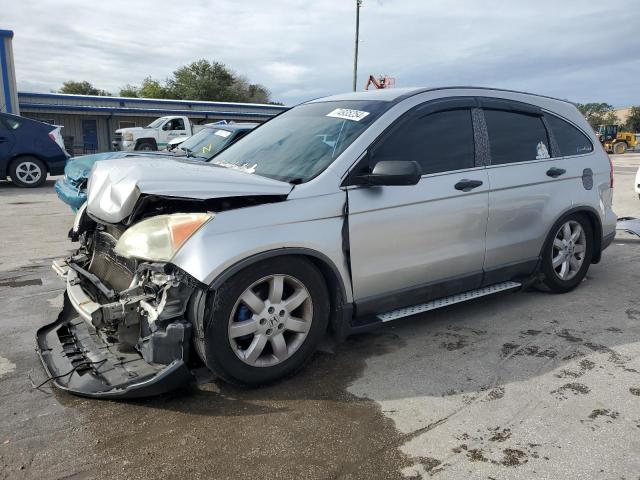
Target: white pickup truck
154	136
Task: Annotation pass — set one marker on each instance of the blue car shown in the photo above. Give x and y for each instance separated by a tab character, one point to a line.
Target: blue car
29	150
72	188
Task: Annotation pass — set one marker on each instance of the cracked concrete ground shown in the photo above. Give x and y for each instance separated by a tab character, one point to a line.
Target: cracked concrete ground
526	385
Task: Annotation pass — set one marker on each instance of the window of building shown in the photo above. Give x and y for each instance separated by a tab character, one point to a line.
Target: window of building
570	140
439	142
516	137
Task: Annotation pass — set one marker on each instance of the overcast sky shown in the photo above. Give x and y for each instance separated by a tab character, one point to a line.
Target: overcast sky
574	49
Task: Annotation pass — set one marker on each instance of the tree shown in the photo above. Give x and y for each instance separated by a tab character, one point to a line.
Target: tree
633	121
82	88
129	91
154	89
598	114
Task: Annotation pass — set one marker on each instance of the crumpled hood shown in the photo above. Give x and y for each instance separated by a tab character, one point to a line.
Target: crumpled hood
115	186
80	167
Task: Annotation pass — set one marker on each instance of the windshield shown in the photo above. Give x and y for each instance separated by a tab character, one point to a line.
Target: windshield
300	143
207	142
157	122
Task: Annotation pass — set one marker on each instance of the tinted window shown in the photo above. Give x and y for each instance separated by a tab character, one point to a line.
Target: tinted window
439	142
516	137
570	140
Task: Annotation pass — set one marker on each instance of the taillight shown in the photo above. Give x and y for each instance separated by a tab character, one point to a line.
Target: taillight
610	172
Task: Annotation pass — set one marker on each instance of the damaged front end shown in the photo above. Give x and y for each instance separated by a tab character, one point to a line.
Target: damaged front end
122	332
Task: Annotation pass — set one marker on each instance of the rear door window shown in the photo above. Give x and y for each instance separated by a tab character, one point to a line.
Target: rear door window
570	140
516	137
439	142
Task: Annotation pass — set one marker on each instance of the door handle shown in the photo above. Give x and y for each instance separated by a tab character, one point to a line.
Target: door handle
554	172
3	139
467	185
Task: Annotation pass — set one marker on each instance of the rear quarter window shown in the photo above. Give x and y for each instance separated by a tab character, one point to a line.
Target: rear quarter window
11	123
570	140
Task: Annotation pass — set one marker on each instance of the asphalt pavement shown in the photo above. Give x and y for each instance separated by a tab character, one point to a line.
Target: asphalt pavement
525	385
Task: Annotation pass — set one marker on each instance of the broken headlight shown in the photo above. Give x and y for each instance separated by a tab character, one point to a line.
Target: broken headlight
157	239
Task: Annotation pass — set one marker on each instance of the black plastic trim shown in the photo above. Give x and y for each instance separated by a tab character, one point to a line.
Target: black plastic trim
246	262
414	295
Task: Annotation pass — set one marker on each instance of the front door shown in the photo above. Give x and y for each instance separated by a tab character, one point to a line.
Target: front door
89	136
409	244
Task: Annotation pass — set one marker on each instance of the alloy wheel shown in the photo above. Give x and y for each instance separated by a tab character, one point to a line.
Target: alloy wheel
28	172
568	251
270	320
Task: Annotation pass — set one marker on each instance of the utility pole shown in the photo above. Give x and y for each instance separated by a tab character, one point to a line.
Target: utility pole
355	55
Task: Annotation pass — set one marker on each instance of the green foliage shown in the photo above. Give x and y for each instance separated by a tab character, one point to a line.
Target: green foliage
151	88
598	114
82	88
202	80
633	122
129	91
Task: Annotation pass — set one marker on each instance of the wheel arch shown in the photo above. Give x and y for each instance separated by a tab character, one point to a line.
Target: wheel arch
151	140
596	226
341	310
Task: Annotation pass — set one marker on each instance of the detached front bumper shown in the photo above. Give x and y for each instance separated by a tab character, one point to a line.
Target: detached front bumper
86	362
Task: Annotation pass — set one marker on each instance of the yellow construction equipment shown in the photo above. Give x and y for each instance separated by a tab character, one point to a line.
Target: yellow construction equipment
615	140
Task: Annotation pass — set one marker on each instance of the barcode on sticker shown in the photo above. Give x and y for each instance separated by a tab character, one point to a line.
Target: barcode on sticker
223	133
348	114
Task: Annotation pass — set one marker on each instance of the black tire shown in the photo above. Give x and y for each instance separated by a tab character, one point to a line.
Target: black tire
218	353
146	147
550	279
620	148
17	170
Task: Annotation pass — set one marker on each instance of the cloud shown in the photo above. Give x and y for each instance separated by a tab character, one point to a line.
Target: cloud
299	50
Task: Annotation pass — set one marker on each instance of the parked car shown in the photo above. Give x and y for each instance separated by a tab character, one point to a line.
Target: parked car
338	215
154	136
71	189
29	150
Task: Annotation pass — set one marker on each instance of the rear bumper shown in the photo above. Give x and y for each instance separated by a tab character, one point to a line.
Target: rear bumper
84	361
69	194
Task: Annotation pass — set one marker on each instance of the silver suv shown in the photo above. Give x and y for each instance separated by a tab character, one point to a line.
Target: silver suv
335	216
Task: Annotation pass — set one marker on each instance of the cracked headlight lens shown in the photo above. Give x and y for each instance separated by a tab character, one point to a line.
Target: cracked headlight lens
159	238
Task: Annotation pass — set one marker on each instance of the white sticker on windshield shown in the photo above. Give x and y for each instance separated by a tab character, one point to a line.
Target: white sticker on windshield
348	114
223	133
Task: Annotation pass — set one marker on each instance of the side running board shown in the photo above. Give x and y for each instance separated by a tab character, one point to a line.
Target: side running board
446	301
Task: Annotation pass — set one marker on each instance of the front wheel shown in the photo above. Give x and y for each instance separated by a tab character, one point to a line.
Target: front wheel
567	253
266	321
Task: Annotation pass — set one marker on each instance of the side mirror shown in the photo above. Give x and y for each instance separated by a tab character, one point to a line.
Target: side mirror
394	172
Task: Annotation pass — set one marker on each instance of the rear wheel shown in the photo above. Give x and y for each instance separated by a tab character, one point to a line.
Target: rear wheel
266	321
619	148
567	254
28	172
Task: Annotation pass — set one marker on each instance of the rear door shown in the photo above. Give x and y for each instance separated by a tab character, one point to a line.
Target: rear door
531	186
412	243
